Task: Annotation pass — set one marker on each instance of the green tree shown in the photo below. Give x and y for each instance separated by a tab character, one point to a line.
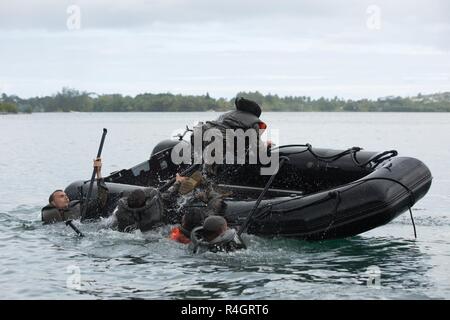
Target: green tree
7	107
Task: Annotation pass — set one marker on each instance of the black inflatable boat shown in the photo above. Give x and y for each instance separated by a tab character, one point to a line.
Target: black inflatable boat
319	194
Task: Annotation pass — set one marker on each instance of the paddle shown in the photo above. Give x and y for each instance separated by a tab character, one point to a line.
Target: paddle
88	196
70	224
168	184
258	201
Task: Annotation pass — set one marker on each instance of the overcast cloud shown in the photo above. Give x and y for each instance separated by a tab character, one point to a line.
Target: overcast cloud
316	48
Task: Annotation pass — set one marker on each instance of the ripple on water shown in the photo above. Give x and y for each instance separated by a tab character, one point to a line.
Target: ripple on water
135	265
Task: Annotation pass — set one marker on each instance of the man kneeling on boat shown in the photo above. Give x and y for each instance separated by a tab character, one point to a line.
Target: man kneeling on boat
61	208
239	123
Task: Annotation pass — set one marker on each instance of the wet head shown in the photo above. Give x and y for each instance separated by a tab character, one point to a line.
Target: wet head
59	199
214	226
192	219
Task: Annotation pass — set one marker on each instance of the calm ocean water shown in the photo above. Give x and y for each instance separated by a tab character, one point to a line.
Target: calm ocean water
42	152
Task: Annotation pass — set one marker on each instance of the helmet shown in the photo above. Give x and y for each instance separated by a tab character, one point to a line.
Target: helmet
246	105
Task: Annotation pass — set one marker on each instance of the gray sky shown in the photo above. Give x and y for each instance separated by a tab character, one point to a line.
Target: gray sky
349	49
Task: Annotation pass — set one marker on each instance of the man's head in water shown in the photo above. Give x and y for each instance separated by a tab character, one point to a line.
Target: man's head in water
136	199
192	219
59	199
214	226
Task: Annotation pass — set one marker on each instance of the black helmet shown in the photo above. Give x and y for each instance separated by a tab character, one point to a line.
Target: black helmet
136	199
246	105
214	224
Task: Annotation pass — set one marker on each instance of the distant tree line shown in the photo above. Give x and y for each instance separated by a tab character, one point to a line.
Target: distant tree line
73	100
7	107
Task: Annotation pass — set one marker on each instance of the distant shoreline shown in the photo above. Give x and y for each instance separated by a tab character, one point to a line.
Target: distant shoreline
71	100
265	111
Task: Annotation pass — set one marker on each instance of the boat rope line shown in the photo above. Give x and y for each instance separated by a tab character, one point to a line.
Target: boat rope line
327	159
357	183
337	194
377	159
412	220
411	196
352	151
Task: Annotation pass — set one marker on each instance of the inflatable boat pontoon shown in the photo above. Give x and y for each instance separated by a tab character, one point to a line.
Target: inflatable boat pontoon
318	194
